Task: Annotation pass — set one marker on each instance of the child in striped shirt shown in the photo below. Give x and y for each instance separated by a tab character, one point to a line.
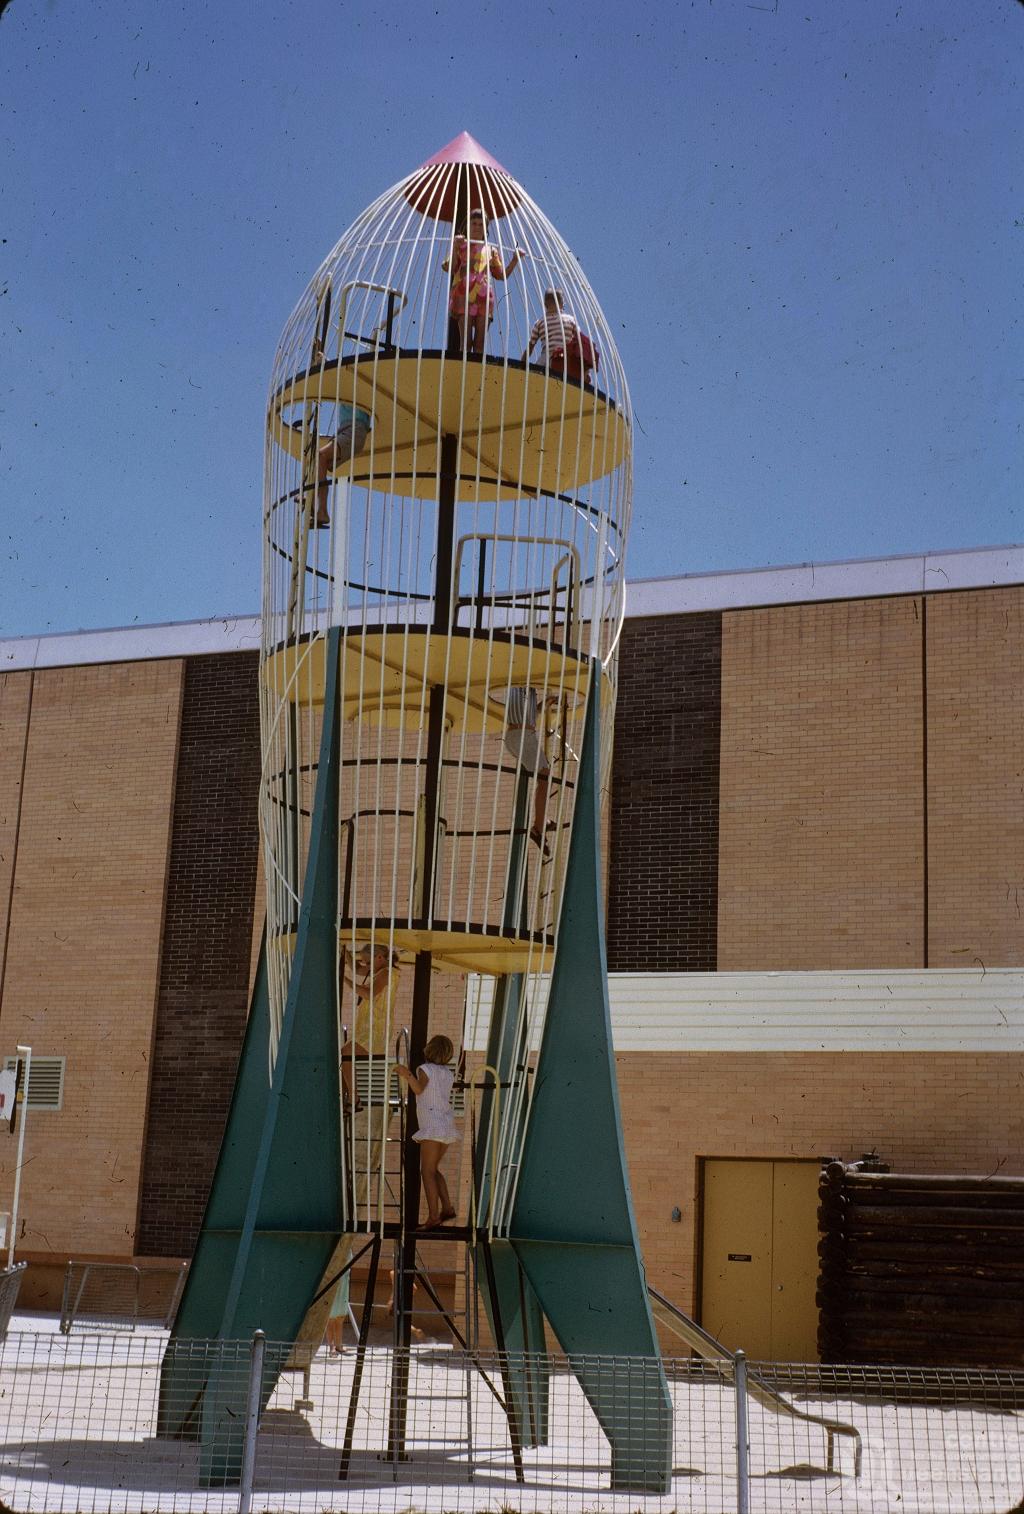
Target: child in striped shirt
554	330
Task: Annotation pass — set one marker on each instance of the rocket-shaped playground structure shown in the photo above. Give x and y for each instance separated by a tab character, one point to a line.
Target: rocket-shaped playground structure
448	482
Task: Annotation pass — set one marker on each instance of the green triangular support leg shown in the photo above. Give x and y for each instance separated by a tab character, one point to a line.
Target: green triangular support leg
187	1364
522	1328
522	1322
573	1226
275	1213
521	1325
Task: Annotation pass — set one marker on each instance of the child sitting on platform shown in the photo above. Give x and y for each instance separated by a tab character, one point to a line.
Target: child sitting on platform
432	1085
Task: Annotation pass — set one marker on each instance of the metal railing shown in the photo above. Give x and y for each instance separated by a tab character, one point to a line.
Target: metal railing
119	1295
10	1282
83	1425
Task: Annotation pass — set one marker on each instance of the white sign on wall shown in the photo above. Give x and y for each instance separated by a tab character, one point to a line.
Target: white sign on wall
8	1089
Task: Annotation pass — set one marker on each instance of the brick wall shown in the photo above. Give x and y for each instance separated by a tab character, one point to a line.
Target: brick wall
821	861
84	942
204	968
663	873
976	778
15	703
816	712
678	1107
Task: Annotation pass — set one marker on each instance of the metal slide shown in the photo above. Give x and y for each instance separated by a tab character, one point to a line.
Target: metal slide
706	1347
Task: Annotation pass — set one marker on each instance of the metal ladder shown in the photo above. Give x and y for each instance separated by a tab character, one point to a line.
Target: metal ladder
460	1322
461	1316
375	1085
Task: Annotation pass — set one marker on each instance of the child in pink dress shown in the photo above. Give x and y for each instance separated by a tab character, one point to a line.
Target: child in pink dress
474	263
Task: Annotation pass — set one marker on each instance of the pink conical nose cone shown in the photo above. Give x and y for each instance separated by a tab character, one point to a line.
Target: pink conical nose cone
465	149
472	177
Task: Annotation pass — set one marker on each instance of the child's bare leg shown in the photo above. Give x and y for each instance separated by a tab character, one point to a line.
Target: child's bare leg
326	458
447	1207
346	1070
431	1153
478	334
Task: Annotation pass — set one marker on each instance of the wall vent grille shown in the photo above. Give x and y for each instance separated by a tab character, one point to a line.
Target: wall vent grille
46	1081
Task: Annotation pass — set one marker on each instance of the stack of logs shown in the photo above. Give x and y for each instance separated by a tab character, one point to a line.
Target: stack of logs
923	1271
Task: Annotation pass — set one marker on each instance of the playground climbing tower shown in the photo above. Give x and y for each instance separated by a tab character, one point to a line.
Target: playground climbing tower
443	545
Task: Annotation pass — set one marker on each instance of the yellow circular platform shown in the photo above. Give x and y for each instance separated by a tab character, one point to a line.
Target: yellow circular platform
387	674
520	430
462	951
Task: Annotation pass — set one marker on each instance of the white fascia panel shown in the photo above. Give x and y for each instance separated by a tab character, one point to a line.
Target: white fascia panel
131	644
799	583
942	1010
804	583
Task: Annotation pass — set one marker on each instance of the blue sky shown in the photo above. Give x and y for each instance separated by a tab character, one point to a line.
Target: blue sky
804	222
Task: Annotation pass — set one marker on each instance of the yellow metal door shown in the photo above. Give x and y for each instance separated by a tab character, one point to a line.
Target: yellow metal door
736	1273
794	1313
760	1257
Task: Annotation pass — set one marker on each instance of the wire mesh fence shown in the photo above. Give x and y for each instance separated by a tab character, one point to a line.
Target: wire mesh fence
934	1440
128	1423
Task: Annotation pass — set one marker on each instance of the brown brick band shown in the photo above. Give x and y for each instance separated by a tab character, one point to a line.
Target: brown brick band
204	970
663	878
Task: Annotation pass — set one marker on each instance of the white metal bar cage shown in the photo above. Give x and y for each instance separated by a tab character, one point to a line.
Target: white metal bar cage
448	476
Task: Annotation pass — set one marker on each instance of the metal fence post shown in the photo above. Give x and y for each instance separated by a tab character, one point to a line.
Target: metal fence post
252	1421
742	1435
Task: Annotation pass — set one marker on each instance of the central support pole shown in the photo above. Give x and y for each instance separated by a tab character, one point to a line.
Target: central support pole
422	975
357	1376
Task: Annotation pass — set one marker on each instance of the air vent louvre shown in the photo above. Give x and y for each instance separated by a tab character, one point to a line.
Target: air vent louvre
46	1081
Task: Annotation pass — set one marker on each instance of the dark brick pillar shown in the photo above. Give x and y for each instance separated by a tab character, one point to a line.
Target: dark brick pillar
204	971
663	876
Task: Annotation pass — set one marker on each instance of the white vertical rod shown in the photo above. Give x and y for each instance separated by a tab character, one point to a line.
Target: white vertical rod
742	1435
339	553
26	1052
252	1421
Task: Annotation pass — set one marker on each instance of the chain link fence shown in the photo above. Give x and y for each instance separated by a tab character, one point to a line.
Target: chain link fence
102	1423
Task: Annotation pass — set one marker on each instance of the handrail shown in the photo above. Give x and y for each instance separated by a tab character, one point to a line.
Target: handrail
403	1041
532	601
473	1084
712	1350
572	558
387	323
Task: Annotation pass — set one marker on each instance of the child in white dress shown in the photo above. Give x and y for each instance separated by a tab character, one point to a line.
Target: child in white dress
432	1085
